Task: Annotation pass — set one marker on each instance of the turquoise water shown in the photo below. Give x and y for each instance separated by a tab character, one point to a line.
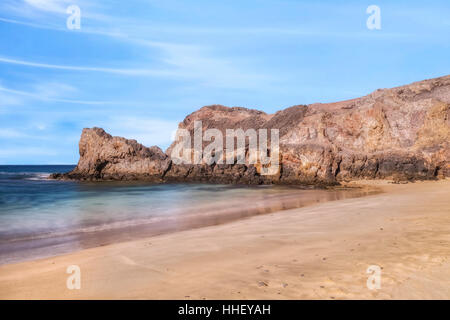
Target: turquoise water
41	217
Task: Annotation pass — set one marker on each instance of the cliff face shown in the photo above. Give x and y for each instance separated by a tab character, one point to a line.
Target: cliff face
400	133
104	157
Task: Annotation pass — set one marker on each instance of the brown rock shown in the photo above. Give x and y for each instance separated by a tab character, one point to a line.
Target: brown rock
401	133
104	157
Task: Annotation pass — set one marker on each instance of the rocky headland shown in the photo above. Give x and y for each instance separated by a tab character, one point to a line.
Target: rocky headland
401	133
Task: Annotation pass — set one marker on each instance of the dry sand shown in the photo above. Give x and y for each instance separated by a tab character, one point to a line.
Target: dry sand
316	252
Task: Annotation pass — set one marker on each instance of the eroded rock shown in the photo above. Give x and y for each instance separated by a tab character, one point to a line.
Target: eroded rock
401	133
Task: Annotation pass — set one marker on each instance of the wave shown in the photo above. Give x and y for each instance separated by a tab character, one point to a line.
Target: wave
218	210
86	229
24	175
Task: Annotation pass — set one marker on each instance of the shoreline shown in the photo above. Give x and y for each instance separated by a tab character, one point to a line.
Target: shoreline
79	238
320	251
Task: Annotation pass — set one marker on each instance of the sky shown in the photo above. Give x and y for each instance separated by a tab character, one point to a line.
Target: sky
136	68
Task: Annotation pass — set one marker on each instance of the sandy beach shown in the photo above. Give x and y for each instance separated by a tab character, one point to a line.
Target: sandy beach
320	251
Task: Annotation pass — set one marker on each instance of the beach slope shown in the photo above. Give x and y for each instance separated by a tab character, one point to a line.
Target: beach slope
317	252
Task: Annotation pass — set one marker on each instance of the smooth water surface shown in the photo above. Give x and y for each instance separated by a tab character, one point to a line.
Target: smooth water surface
41	217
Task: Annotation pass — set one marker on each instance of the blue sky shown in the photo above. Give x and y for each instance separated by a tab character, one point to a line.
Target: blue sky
138	67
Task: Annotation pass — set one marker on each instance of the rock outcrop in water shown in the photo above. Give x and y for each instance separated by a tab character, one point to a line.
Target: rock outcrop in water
104	157
401	133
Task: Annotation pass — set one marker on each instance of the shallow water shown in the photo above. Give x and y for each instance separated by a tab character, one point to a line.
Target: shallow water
41	217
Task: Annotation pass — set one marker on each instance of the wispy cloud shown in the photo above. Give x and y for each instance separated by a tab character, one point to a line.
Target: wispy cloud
133	72
11	133
188	62
49	92
9	100
56	6
134	32
31	24
179	61
39	9
148	131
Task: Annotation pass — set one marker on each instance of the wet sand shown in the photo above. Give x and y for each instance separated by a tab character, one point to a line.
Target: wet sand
321	251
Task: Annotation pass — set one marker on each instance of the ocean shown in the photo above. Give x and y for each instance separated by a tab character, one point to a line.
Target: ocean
40	217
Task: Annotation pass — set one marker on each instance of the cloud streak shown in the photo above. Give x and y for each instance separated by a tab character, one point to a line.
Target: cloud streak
45	98
45	9
132	72
146	130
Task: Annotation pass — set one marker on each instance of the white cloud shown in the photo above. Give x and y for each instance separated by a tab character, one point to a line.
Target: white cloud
147	131
50	90
43	10
56	6
11	133
9	100
199	63
188	62
135	72
49	93
178	61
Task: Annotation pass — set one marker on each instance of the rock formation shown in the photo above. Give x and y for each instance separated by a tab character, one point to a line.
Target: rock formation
400	133
104	157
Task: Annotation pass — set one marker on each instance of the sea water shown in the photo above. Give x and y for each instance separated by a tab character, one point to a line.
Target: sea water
40	217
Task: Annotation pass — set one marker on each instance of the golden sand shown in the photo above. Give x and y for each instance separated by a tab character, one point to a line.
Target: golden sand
317	252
